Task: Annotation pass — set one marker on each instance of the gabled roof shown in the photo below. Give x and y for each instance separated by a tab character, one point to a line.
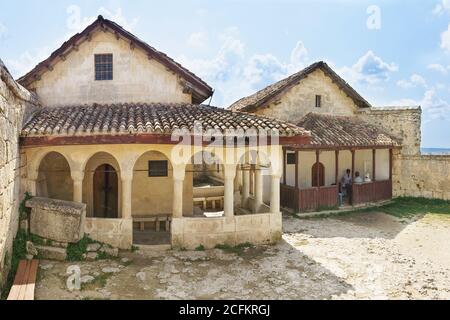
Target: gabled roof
200	89
157	118
328	131
272	91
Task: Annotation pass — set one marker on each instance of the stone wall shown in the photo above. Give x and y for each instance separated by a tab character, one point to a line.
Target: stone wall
15	104
115	232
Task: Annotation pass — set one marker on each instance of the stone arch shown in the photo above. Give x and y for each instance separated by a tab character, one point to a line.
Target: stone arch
54	178
91	165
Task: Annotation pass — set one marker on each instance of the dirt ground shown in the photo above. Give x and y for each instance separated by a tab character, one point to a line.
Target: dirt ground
359	256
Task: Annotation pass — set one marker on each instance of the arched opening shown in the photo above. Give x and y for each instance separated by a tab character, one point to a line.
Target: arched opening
102	186
106	192
207	180
318	175
54	179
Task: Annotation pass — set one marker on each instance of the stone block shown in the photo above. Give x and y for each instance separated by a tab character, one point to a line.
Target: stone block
57	220
52	253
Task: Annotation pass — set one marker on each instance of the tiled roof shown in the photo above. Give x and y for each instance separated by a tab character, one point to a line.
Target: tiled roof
145	118
265	95
340	131
200	89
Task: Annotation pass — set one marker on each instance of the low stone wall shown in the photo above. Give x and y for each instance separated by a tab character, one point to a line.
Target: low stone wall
189	233
115	232
422	176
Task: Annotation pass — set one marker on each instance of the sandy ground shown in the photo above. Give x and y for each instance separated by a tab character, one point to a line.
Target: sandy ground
361	256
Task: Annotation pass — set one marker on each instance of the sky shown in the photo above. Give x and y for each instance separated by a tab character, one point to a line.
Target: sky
394	53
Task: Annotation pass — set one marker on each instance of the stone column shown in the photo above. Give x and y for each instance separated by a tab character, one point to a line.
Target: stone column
230	173
127	180
77	177
245	188
275	194
178	182
258	189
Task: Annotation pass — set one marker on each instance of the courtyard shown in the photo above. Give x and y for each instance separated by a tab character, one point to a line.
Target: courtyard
362	255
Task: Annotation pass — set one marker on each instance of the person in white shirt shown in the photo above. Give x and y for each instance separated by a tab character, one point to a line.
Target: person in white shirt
358	178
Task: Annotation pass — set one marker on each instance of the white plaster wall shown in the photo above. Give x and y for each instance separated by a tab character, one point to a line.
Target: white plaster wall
306	161
382	164
136	78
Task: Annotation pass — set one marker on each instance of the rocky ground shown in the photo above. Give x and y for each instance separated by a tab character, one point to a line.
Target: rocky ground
359	256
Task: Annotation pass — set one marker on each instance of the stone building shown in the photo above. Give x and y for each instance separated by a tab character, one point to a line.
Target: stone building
347	133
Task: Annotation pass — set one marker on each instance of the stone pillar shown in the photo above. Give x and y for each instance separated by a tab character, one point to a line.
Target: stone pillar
178	182
32	187
275	194
230	173
258	189
127	180
77	177
245	188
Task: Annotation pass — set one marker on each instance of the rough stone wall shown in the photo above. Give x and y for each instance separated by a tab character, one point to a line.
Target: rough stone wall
404	123
15	104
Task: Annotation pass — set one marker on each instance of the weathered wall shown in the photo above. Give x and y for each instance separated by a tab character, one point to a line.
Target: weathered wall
136	78
15	104
115	232
422	176
298	101
402	122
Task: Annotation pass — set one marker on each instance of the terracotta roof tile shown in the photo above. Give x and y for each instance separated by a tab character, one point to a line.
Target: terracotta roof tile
145	118
340	131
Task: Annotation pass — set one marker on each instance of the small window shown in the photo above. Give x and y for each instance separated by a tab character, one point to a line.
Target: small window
290	158
158	168
103	67
318	101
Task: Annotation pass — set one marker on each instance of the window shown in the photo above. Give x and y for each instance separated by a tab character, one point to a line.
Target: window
103	67
318	101
290	158
158	168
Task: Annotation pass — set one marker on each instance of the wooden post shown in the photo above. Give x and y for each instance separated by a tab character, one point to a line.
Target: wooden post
284	166
336	174
374	153
390	164
318	168
296	169
353	164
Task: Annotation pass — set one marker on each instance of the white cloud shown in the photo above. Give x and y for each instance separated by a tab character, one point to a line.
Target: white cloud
75	23
441	7
369	69
198	40
414	81
3	30
438	68
445	39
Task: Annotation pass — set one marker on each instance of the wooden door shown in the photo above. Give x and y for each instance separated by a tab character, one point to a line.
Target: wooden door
321	173
105	192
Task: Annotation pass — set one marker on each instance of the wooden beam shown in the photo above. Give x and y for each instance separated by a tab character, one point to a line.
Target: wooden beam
284	166
353	164
390	164
318	168
374	154
296	169
336	173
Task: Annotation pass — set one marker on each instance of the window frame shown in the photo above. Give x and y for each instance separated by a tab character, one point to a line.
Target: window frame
103	72
318	101
160	173
290	158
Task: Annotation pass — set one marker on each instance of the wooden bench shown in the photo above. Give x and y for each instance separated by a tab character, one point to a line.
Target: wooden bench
156	219
25	281
204	201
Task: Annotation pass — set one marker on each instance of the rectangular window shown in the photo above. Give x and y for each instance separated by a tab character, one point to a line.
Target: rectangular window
103	67
158	168
290	158
318	101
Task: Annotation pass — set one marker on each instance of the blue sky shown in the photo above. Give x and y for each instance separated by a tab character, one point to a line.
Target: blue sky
392	52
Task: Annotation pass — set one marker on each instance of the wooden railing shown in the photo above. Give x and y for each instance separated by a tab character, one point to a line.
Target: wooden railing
372	191
308	199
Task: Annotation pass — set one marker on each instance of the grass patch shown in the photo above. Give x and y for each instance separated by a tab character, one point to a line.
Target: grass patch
238	249
98	282
24	212
405	207
77	251
200	248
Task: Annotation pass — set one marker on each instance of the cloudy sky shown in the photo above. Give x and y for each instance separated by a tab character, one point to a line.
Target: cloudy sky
392	52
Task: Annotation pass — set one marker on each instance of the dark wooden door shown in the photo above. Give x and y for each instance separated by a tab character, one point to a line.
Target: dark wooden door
106	190
321	173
